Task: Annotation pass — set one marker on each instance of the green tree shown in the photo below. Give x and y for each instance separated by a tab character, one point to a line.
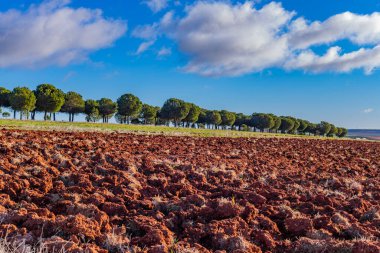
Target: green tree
149	113
323	128
262	121
193	114
213	118
228	118
311	128
303	125
241	120
296	125
91	109
74	104
333	131
175	110
107	108
128	106
49	99
277	123
22	99
4	97
287	124
6	114
342	132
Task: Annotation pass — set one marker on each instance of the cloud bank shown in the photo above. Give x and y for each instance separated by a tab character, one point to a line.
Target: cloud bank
54	34
224	39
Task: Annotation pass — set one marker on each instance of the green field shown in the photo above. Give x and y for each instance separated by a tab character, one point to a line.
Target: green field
140	129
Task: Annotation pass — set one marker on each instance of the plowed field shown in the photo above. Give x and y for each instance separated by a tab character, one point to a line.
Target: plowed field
99	192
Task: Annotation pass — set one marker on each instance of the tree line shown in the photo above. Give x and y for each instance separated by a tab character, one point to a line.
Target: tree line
128	109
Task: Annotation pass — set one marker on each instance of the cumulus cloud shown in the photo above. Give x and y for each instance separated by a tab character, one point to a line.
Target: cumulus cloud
368	110
144	46
164	52
225	39
54	34
156	5
231	39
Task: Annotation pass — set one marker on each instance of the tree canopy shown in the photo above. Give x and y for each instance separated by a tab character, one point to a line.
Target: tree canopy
128	106
49	99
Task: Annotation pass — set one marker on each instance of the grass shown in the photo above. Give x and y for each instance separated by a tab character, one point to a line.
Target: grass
141	129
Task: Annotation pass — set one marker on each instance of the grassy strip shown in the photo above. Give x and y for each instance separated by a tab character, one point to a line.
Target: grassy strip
143	129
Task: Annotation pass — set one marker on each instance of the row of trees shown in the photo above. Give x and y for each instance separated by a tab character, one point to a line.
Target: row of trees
129	109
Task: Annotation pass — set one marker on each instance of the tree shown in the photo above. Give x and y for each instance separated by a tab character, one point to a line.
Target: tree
323	128
296	125
262	121
74	104
277	123
202	119
342	132
213	118
128	106
175	109
22	99
286	124
149	113
311	128
333	131
240	120
107	108
303	125
6	114
49	99
228	118
193	114
4	97
91	109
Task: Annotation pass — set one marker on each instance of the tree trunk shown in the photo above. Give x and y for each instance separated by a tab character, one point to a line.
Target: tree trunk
54	116
14	114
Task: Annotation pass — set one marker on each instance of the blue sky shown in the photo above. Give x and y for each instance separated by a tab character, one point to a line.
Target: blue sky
245	57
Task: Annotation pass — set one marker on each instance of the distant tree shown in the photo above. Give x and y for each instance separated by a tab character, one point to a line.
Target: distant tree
286	124
342	132
262	121
333	131
242	119
149	113
244	127
107	108
49	99
174	110
6	114
74	104
228	118
202	119
277	123
303	125
323	128
91	109
193	114
22	99
311	128
4	97
213	118
295	126
128	106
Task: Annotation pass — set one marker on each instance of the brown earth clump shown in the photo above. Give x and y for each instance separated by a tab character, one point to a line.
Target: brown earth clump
99	192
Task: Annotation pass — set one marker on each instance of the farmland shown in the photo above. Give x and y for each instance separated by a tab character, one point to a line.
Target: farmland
85	191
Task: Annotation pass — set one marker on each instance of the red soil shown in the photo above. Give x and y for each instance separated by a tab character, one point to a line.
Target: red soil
94	192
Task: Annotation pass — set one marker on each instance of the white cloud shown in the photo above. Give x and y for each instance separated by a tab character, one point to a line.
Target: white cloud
368	110
144	46
334	61
54	34
225	39
164	52
156	5
359	29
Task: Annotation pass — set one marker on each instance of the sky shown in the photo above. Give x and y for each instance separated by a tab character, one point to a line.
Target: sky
316	59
